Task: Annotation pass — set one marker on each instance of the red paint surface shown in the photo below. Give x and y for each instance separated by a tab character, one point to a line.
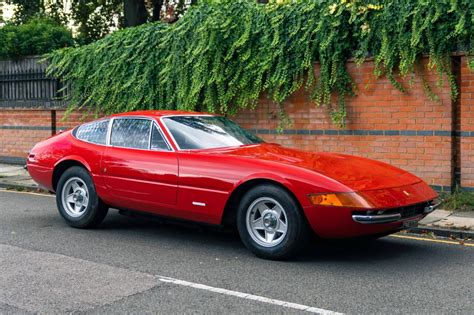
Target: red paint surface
167	183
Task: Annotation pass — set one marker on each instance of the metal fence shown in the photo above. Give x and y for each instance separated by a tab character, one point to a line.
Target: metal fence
24	83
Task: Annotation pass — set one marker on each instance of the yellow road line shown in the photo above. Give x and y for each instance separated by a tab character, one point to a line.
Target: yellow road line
26	192
431	240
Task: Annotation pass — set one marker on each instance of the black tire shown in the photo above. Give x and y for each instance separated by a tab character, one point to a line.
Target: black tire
297	231
91	214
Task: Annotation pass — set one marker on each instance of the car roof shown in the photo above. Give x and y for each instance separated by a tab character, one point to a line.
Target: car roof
160	113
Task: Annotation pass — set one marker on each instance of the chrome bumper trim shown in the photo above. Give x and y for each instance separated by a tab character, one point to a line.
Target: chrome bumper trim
377	218
431	208
393	217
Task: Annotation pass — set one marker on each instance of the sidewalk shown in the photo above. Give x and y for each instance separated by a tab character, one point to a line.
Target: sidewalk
15	176
439	222
447	224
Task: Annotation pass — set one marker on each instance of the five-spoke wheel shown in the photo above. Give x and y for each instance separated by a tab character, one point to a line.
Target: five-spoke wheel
267	221
270	222
77	199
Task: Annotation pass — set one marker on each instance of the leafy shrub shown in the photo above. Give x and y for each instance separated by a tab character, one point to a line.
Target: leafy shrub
458	200
223	54
38	36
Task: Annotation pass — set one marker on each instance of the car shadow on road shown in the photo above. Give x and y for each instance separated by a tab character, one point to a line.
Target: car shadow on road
172	231
176	233
385	248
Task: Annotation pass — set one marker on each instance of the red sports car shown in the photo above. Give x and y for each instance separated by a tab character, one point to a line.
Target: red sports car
206	168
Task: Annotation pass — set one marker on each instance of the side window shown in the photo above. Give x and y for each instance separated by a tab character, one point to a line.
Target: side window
95	132
130	133
158	143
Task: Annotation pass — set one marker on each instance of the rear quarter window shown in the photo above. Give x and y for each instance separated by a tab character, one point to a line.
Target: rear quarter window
94	132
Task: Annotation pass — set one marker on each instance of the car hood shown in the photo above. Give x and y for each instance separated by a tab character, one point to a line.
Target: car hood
354	172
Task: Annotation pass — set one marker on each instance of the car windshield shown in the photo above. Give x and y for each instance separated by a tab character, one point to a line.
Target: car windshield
208	132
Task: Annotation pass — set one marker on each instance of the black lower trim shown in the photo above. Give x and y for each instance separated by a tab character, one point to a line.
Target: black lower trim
440	188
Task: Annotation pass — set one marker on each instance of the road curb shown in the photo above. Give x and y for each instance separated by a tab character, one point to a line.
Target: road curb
461	234
22	187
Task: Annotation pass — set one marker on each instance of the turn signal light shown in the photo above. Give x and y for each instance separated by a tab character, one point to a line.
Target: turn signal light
351	199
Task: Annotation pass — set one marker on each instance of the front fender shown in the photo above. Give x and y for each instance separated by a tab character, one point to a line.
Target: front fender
296	188
264	176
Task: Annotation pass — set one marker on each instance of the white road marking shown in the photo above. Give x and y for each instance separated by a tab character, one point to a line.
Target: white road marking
247	296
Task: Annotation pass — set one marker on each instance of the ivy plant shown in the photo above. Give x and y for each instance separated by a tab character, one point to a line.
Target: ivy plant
222	55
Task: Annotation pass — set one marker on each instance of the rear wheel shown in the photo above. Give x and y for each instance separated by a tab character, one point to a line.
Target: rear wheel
270	222
77	199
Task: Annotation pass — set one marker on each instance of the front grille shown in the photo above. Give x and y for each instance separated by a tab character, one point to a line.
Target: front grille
408	211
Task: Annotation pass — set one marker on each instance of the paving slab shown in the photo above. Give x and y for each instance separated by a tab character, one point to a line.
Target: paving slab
14	176
435	216
465	214
455	222
13	173
7	168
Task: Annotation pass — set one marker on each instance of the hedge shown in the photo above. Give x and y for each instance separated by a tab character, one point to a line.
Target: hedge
37	37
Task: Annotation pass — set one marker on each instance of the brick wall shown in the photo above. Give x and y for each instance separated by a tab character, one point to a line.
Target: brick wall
20	129
408	130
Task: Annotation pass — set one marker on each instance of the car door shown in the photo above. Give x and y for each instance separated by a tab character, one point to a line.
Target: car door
205	180
140	169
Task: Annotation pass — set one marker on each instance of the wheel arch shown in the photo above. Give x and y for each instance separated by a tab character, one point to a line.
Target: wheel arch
230	209
61	166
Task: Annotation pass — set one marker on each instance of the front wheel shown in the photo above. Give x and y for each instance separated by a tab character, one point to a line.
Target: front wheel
270	223
77	199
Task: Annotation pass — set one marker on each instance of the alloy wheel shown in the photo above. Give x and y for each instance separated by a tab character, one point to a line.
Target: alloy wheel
75	197
267	222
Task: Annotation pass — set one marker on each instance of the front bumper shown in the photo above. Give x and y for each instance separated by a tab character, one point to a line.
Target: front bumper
394	209
382	217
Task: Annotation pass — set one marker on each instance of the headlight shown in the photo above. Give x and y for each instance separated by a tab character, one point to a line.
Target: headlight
350	199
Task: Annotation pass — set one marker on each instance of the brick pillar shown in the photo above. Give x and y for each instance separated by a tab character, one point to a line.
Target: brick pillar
466	131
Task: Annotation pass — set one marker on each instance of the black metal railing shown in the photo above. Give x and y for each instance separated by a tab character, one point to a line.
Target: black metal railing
24	83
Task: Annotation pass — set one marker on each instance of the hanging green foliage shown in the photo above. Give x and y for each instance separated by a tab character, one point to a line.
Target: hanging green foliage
223	54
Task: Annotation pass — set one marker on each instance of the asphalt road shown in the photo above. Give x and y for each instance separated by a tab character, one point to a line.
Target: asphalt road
134	265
